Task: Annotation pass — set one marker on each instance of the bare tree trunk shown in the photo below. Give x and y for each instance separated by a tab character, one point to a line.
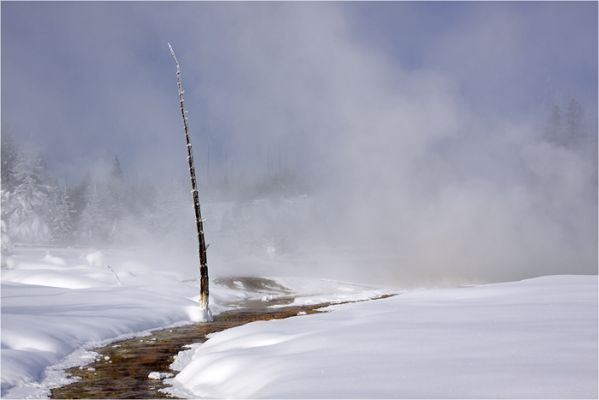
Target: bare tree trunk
196	198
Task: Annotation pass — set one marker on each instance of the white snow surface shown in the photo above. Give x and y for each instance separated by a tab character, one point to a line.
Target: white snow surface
535	338
57	303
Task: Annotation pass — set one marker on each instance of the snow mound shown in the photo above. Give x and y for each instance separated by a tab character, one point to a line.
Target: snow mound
54	307
95	259
197	314
531	339
53	260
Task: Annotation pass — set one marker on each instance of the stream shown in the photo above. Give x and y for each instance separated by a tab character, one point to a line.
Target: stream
121	368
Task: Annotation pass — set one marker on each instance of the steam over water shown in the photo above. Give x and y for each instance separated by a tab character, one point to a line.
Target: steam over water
380	143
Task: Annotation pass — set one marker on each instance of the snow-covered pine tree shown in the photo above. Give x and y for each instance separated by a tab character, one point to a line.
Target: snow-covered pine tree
28	200
5	239
9	152
93	221
574	122
162	214
567	128
101	205
129	201
78	196
115	197
116	172
554	129
60	217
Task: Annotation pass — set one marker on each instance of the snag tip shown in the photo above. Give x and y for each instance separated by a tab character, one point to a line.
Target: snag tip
172	52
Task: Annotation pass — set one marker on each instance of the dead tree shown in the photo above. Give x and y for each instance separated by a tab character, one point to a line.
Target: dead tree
196	198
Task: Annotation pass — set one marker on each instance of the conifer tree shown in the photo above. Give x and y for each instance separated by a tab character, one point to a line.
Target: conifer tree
9	150
29	199
61	215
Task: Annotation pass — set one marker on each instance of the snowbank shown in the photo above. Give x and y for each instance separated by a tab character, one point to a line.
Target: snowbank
56	301
531	339
50	309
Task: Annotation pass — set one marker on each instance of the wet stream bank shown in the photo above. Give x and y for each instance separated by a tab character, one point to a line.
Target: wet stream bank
121	368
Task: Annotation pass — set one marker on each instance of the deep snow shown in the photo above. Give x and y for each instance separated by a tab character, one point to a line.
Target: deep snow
535	338
57	301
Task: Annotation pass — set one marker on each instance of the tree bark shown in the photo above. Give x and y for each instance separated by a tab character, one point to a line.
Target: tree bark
195	194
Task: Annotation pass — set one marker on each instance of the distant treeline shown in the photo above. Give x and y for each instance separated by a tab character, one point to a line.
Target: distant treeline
107	206
38	208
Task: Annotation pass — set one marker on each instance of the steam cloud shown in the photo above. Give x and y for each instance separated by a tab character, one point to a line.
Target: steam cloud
407	179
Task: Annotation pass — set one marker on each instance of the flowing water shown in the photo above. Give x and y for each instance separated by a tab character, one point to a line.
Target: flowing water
121	368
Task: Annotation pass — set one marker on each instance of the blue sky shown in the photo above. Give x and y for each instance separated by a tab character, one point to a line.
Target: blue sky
90	79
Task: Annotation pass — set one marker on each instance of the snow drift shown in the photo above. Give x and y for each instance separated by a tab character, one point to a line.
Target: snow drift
531	339
56	301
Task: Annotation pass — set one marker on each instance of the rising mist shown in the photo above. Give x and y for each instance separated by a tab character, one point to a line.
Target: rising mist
335	140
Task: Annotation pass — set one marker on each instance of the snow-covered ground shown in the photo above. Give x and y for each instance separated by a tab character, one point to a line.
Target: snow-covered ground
535	338
57	301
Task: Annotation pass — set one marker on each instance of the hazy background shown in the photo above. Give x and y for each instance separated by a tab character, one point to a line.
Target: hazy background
401	143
